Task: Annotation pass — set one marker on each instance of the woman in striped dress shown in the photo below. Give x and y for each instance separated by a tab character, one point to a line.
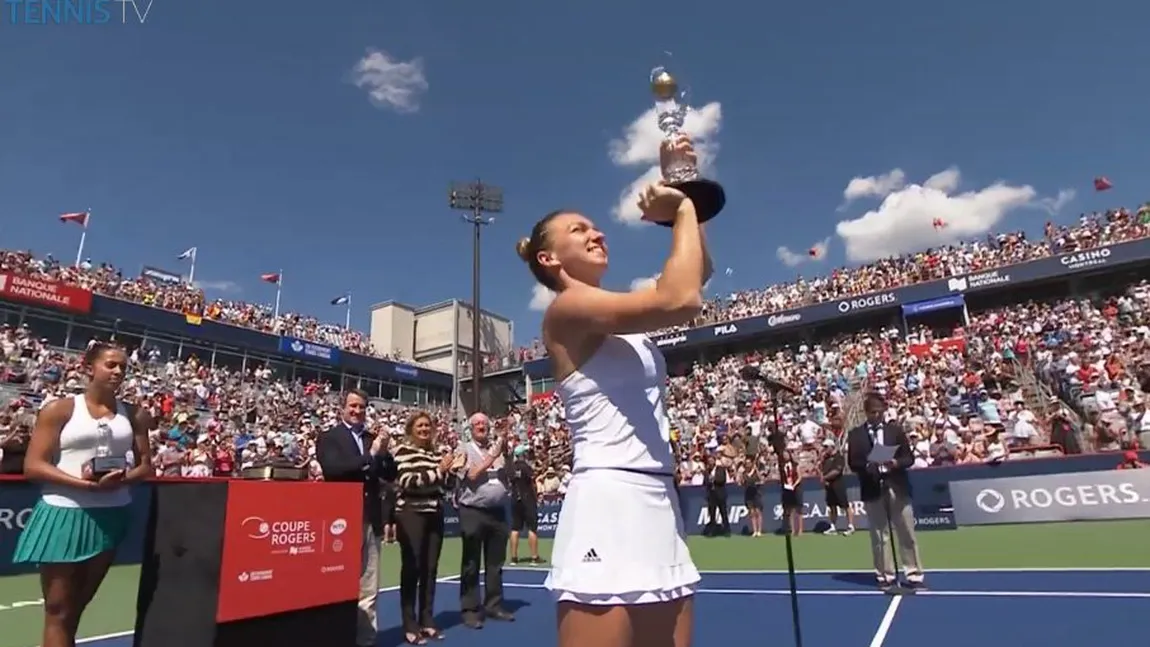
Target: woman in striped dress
421	480
82	515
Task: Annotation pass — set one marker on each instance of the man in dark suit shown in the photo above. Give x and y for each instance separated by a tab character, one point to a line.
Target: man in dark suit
349	453
715	484
886	493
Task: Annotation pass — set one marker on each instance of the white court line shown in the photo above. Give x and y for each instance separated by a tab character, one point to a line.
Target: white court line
121	634
834	571
887	620
927	592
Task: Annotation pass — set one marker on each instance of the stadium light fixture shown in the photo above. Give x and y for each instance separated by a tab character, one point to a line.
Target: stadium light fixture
476	200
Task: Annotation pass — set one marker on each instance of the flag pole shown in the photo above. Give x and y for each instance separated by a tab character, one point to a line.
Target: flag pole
347	315
279	288
83	237
192	271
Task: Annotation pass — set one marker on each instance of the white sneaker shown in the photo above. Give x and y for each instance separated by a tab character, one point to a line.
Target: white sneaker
849	531
831	531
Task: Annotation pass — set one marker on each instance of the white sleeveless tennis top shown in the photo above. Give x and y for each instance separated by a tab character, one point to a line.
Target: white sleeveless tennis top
616	408
78	446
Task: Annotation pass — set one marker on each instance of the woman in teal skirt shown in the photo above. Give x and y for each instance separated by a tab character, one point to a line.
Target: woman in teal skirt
78	455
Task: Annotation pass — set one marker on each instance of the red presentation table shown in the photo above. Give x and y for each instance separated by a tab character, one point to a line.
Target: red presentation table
229	563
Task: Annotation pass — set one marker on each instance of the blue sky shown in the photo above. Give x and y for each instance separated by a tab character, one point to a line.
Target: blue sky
238	127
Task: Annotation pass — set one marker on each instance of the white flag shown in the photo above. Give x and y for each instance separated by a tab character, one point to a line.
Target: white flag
191	253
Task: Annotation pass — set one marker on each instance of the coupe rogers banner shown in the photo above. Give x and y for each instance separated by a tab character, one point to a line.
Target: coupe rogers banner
289	546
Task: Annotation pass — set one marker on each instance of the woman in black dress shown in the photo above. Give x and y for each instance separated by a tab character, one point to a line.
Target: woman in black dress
753	498
791	481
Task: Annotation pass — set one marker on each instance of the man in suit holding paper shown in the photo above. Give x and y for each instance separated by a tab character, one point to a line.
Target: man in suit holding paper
879	452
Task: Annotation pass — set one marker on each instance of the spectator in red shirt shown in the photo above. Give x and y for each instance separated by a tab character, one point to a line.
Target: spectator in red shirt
1130	461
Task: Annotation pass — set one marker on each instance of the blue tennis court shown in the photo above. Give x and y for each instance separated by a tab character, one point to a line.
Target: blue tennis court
986	607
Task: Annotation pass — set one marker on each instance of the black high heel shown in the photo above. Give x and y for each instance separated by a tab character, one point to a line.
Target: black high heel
431	633
414	638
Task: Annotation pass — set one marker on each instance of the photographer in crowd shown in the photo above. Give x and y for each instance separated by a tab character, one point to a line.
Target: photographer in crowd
833	470
524	506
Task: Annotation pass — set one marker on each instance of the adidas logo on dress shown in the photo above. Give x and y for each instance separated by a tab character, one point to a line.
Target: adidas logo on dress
591	556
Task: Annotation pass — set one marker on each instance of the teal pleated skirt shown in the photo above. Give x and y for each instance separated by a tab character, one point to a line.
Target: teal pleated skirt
58	535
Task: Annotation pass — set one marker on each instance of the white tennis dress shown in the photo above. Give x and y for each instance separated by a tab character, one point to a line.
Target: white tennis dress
620	537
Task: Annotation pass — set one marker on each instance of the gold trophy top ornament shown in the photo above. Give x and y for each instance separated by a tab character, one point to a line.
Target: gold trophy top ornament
664	86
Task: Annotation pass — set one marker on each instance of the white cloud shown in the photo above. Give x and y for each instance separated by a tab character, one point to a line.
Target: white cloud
873	186
904	222
541	297
945	181
789	258
639	146
1052	205
390	83
226	287
794	259
644	282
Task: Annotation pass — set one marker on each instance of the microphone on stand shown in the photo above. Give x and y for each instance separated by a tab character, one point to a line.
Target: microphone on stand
776	387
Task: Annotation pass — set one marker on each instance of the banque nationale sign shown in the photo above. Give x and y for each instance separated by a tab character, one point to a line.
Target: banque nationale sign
1073	496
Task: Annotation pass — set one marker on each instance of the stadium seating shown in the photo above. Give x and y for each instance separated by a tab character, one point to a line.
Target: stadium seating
1029	380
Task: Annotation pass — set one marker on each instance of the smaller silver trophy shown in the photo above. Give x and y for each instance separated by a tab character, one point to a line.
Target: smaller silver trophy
671	111
104	461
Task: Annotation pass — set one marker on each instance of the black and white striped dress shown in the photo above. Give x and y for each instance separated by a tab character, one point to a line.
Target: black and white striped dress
419	486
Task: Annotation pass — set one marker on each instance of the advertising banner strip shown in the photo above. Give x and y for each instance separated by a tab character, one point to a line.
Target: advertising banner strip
164	276
919	294
1077	496
309	350
932	305
43	292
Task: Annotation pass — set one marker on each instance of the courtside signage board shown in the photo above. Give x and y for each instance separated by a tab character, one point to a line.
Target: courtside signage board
1075	496
289	546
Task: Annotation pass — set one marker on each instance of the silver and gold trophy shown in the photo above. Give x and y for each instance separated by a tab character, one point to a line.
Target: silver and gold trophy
682	173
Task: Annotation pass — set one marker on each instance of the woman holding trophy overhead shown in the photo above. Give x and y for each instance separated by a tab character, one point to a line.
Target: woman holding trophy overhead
78	454
622	573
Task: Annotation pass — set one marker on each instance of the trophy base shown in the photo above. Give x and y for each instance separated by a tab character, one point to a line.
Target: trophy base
708	196
103	465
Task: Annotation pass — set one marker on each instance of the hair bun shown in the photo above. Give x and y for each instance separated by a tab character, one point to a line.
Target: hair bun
523	248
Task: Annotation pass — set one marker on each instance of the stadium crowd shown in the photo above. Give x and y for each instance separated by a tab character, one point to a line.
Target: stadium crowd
960	396
186	298
1020	381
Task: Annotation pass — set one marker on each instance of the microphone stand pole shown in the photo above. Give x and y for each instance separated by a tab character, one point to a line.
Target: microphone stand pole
792	581
896	588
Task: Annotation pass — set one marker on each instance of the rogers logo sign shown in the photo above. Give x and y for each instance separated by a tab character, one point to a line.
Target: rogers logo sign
870	301
256	528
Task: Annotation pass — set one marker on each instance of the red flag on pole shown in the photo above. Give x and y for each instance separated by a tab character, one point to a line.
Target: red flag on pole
79	217
1102	184
270	277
